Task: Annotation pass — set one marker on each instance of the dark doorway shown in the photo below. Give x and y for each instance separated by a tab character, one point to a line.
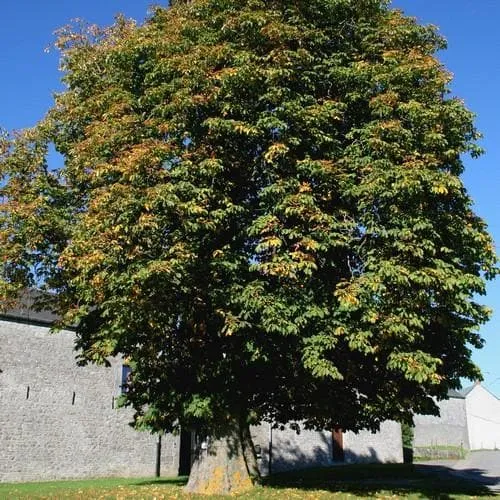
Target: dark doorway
338	445
185	454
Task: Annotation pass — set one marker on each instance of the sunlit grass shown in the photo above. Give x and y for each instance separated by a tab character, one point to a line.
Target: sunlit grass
357	481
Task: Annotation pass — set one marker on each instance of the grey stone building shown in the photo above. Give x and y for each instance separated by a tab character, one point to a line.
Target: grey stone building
290	450
59	420
469	420
448	429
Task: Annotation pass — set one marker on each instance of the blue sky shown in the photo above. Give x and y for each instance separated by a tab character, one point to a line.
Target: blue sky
29	76
471	29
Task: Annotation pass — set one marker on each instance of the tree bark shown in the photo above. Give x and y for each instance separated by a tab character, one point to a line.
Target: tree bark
224	465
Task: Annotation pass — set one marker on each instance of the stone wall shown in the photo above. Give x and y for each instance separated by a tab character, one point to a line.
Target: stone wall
384	446
58	420
449	429
315	448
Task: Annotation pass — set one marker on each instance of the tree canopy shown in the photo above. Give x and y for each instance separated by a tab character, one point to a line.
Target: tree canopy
260	207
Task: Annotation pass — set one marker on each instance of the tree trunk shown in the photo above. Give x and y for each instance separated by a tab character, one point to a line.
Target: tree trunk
224	465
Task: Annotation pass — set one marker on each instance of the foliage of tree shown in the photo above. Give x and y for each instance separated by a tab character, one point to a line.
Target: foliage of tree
260	206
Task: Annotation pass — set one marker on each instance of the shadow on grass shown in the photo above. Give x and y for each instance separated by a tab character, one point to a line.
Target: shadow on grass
400	479
173	481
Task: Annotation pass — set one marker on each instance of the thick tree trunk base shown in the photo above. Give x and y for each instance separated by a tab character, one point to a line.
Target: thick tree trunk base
223	465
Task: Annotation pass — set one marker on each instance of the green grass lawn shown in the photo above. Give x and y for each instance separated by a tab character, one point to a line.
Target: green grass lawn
357	481
439	452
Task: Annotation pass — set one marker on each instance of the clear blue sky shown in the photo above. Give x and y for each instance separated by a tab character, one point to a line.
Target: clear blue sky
29	76
471	29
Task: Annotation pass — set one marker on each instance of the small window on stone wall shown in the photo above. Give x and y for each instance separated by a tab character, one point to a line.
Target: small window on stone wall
126	373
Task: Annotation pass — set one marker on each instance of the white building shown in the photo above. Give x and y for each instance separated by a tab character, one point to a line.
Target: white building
483	418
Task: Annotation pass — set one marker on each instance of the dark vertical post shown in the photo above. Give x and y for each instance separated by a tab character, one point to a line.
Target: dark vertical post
158	456
270	461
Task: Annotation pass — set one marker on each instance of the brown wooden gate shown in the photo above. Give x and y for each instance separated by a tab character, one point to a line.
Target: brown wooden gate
338	445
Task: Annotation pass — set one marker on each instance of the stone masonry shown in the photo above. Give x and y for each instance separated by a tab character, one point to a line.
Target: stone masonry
290	450
448	429
58	420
